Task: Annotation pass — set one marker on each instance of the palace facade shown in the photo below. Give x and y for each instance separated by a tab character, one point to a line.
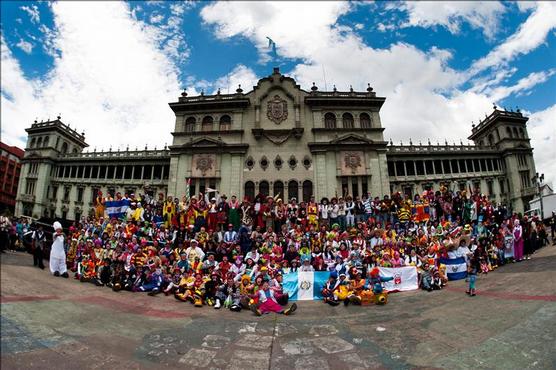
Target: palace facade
276	139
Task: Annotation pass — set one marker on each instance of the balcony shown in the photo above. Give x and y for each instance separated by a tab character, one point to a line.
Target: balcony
28	198
529	191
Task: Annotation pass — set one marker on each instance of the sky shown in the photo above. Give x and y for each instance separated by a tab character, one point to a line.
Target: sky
111	68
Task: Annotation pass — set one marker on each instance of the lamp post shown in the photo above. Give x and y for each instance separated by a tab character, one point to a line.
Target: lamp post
538	180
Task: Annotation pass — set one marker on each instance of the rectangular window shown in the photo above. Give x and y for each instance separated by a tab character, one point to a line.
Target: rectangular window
469	164
127	173
502	190
476	166
461	163
137	170
429	167
489	164
455	166
148	172
80	194
420	168
438	167
110	172
54	192
400	170
80	172
446	164
364	186
158	173
391	171
490	188
495	164
166	174
67	190
410	169
354	188
102	172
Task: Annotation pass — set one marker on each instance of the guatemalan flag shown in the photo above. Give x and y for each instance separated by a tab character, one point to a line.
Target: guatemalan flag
456	268
116	208
305	286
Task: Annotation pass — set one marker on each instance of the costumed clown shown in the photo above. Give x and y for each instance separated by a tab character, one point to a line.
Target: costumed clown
374	282
58	253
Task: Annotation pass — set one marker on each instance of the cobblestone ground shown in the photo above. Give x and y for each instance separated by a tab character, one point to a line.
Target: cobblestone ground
50	322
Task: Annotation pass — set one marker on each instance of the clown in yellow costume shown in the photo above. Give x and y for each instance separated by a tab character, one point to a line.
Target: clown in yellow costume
168	211
312	214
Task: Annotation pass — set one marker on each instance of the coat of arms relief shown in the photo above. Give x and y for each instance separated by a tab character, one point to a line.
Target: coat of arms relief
277	110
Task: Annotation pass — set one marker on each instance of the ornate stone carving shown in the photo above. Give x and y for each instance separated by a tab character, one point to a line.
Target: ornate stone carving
352	163
204	165
277	110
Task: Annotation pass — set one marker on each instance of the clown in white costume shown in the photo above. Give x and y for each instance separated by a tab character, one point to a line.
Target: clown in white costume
58	253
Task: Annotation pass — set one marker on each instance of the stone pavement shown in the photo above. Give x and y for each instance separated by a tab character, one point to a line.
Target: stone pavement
49	322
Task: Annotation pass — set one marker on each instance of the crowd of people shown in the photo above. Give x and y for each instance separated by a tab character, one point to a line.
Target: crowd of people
211	250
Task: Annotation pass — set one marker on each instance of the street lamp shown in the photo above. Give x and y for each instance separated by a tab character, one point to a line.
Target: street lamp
538	180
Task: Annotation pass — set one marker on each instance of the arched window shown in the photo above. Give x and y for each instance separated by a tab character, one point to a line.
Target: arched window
39	142
279	189
45	142
509	132
74	151
264	188
293	189
207	123
490	140
32	143
307	190
64	148
330	120
250	190
225	123
365	120
521	133
190	124
515	133
347	120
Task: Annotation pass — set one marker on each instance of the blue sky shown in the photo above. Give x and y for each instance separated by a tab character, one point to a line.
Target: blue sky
113	67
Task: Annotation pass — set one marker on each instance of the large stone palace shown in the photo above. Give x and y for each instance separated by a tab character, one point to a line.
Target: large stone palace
276	139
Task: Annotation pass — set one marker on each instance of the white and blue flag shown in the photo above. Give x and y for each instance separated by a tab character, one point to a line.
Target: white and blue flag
456	268
116	208
305	286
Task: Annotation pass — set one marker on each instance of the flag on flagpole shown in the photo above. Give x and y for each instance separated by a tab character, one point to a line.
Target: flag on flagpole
187	185
272	44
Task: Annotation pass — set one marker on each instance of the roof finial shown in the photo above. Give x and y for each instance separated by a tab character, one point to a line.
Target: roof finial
350	88
314	87
494	106
369	88
334	89
429	141
218	92
59	116
239	89
184	93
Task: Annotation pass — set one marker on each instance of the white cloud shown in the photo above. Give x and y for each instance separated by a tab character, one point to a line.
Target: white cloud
110	79
483	15
523	85
33	12
240	75
156	18
529	36
26	46
424	96
542	131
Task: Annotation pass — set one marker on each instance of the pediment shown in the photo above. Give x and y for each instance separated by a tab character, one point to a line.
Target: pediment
352	139
205	141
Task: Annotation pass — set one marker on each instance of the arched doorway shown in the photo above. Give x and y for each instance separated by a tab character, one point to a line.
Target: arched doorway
279	189
293	189
249	190
264	188
307	190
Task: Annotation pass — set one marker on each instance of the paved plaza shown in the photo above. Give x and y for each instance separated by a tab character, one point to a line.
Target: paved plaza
50	322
